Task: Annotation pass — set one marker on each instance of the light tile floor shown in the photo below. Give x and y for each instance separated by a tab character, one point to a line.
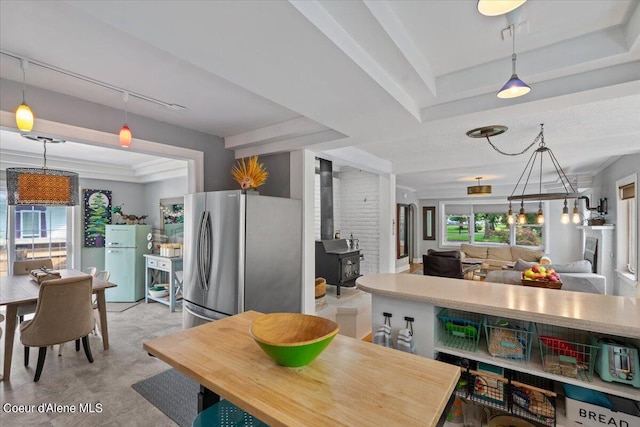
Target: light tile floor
71	380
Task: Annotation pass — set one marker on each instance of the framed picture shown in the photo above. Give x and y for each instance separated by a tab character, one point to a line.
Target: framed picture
429	223
97	214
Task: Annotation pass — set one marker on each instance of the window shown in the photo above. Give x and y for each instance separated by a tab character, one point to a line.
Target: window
627	228
487	224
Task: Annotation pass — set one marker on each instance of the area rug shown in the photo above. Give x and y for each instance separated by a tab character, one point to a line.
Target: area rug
420	272
173	393
120	306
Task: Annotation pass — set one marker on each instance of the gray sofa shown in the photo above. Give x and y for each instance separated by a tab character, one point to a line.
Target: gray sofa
575	276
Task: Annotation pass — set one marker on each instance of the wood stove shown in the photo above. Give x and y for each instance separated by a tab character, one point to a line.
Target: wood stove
337	263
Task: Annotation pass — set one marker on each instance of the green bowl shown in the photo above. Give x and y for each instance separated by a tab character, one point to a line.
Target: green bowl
293	339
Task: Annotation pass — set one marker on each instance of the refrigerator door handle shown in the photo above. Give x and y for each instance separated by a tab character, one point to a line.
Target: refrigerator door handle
208	242
199	250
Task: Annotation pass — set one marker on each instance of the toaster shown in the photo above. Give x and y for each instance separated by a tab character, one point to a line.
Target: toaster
618	361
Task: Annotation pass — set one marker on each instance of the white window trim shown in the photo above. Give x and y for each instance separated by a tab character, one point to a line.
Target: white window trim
443	226
622	273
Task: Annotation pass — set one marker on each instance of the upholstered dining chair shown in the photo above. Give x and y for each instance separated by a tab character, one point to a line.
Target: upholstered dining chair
64	313
444	264
21	268
90	270
102	275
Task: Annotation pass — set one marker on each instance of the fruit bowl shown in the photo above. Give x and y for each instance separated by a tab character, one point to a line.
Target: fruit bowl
293	339
542	283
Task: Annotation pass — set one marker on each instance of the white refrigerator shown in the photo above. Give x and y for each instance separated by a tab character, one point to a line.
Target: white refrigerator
125	247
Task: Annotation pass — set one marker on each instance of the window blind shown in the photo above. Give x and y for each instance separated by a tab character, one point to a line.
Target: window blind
627	191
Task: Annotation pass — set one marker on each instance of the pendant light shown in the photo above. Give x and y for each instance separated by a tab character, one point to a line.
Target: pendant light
125	132
514	87
510	218
479	190
564	219
24	115
575	218
498	7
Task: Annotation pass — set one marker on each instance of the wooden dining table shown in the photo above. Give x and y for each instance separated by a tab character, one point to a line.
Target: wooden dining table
23	290
351	383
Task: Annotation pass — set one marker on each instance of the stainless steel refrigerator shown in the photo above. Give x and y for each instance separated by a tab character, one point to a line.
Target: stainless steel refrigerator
241	252
126	245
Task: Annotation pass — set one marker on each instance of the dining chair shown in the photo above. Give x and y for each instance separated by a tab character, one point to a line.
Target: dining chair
63	314
90	270
102	275
21	268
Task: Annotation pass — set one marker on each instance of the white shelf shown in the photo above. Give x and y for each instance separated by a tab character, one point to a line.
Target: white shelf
534	367
162	300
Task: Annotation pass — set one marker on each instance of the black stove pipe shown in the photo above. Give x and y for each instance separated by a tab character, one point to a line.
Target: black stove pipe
326	200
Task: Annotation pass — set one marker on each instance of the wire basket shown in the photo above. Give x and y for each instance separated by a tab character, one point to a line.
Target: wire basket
533	398
565	352
489	388
460	329
509	339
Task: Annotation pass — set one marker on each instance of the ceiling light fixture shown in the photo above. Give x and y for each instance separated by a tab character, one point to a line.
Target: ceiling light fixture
570	192
498	7
46	187
24	115
479	190
125	132
514	87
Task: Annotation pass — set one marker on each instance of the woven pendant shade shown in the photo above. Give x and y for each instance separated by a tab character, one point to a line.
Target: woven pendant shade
31	186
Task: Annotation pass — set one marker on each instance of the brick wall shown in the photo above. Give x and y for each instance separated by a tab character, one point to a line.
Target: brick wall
360	214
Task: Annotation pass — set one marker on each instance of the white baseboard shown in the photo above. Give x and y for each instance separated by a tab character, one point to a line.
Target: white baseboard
402	268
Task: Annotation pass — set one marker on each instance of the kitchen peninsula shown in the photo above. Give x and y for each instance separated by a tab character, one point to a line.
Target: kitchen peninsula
423	298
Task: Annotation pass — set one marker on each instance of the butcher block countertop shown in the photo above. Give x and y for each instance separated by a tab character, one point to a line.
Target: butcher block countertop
615	315
352	383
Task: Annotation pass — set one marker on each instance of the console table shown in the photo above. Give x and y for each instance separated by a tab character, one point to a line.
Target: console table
157	267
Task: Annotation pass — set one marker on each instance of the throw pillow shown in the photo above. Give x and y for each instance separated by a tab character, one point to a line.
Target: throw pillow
473	251
522	265
582	266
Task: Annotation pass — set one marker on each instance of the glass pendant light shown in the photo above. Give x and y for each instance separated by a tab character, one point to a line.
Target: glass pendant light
510	217
565	214
540	216
522	218
576	213
514	87
24	115
125	132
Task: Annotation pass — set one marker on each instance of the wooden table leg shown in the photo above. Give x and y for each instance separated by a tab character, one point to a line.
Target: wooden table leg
102	310
10	323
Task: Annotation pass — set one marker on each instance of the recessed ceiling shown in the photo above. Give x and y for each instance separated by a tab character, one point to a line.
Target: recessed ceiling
383	85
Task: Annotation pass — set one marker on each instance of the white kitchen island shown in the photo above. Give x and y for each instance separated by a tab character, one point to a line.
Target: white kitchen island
423	297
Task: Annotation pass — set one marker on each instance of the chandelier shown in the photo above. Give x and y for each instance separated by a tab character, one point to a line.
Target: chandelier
48	187
519	192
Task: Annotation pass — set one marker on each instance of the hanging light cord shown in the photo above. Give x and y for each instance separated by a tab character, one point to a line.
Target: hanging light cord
24	81
44	144
513	55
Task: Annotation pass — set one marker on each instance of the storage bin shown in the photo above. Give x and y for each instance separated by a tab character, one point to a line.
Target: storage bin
565	352
533	398
509	339
591	408
460	329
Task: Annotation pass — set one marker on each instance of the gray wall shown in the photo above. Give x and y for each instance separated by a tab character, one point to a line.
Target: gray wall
132	195
604	185
73	111
278	181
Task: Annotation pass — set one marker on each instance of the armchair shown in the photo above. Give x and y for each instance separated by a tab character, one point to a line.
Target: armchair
444	264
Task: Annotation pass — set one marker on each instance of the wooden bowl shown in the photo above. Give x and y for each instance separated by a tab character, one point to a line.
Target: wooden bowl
293	339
